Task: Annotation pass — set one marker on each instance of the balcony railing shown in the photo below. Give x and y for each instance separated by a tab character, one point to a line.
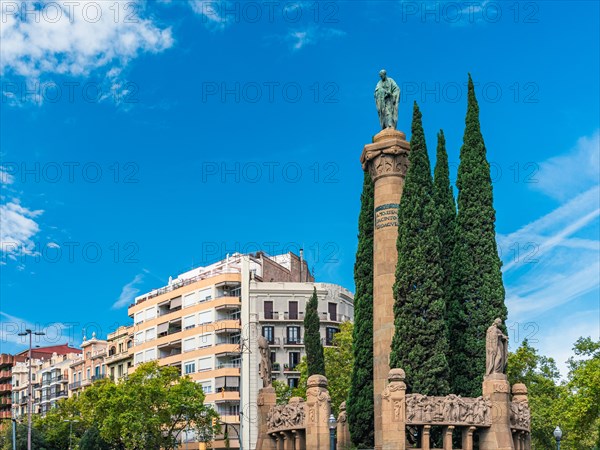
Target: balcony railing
293	341
75	385
47	381
98	377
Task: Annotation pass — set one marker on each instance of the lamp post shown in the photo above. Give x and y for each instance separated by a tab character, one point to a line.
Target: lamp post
557	436
14	433
29	386
332	427
70	429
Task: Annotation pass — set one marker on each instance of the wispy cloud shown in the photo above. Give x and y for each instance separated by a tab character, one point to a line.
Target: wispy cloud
11	326
129	291
311	35
566	175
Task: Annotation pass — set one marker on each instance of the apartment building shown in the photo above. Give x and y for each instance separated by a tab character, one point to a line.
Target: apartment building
6	364
205	323
89	366
119	359
49	369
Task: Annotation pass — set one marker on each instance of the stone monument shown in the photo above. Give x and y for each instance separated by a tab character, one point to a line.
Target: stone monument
386	160
267	398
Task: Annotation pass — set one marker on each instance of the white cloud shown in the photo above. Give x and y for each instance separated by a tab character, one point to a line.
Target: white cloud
11	326
75	38
566	175
17	228
128	293
212	12
5	177
310	36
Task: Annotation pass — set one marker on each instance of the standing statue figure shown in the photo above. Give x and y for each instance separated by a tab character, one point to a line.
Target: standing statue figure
265	361
387	94
496	349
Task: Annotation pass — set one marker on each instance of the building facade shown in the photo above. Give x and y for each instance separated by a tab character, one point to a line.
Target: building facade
205	323
89	366
118	359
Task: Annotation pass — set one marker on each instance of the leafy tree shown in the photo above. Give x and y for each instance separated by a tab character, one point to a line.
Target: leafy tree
55	428
360	408
446	208
312	337
92	440
283	391
419	345
149	410
338	364
477	288
37	438
541	376
579	402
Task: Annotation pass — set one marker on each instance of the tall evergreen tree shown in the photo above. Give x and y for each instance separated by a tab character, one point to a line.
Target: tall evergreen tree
360	409
446	209
419	345
315	358
477	289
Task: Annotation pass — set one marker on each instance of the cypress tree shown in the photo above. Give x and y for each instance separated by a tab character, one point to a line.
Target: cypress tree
419	345
477	289
446	209
315	358
360	409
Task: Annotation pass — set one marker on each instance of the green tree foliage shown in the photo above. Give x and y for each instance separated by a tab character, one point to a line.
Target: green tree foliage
149	410
446	208
339	359
541	376
419	345
92	440
477	288
38	441
360	408
56	429
312	337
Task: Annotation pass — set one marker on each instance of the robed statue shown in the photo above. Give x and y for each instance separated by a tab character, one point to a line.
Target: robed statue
387	94
496	349
265	361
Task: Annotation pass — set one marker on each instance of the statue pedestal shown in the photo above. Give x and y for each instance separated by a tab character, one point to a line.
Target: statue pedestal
499	435
318	408
393	412
265	401
386	160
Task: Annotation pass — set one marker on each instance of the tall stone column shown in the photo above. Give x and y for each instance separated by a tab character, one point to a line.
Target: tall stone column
498	436
386	160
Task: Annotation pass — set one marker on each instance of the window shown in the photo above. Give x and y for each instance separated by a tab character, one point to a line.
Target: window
139	317
150	354
189	344
150	334
150	313
97	371
205	295
189	367
189	300
294	358
273	357
189	322
293	335
205	317
121	347
206	386
333	312
293	382
88	374
329	336
206	340
293	310
205	364
268	332
120	370
139	338
268	309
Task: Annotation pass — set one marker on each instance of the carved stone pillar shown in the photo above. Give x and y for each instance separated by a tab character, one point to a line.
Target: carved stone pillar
447	432
467	438
386	160
343	432
265	401
318	408
498	436
298	441
425	439
393	412
281	441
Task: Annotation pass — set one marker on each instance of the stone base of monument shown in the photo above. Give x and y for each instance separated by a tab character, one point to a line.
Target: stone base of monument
318	406
498	436
267	398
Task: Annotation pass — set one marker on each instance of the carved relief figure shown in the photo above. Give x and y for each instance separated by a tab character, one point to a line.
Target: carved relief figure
496	349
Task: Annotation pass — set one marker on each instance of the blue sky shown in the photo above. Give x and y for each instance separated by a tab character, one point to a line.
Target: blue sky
139	140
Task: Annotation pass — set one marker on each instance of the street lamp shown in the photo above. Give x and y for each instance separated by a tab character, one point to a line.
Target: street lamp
29	386
557	436
70	428
332	427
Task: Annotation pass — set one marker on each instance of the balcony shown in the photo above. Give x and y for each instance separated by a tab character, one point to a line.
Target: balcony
290	370
6	401
5	374
5	387
293	341
98	377
116	357
55	379
75	385
5	415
